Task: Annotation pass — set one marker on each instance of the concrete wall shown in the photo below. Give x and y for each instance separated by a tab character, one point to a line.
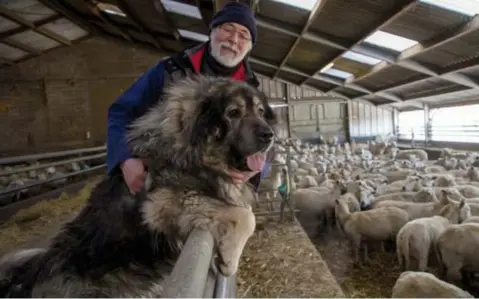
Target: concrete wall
367	121
51	102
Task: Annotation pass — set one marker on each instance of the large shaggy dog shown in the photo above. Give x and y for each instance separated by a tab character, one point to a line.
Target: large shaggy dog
121	245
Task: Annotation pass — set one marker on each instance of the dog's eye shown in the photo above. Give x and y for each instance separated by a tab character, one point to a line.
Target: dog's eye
261	111
233	113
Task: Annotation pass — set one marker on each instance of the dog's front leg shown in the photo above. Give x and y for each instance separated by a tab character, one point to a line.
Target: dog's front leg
235	227
231	227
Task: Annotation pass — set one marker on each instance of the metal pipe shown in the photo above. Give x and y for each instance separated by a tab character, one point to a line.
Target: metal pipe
35	167
16	189
189	276
19	159
223	286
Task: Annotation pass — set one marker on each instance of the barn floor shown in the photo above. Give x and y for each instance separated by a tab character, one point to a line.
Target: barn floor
374	280
281	261
33	226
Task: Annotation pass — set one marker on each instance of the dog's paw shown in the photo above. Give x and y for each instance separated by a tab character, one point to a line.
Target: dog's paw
227	268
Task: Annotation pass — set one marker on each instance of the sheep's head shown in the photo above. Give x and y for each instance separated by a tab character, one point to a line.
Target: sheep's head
366	198
413	183
456	212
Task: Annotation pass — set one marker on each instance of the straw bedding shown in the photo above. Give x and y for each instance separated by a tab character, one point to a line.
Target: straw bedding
41	220
280	261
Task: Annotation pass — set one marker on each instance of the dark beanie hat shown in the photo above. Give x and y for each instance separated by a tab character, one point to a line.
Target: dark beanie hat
236	12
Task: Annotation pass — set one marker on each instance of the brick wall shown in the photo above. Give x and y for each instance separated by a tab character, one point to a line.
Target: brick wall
52	101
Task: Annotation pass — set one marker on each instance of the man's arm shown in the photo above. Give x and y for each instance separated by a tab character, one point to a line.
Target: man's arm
133	103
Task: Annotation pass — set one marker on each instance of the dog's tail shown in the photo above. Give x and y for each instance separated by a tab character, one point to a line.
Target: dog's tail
13	267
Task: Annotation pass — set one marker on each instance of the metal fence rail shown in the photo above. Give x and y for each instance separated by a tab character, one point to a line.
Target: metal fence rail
191	276
42	182
28	158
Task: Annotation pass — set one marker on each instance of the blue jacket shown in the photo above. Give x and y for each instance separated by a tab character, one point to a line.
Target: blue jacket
142	95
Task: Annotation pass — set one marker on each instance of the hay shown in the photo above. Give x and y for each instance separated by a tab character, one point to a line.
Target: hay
280	261
373	280
37	220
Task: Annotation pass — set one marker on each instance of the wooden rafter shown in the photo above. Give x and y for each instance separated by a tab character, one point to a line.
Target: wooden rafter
123	5
10	15
312	16
164	13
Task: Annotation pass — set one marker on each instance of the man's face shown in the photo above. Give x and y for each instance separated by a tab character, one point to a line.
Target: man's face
230	42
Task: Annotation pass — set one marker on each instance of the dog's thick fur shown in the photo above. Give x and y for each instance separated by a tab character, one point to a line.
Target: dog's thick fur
122	245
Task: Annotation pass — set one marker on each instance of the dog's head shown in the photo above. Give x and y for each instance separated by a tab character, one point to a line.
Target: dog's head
217	122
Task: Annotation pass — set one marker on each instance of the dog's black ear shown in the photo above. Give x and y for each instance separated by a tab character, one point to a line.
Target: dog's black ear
207	121
269	114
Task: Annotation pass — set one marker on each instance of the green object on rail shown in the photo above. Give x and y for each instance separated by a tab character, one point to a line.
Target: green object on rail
282	188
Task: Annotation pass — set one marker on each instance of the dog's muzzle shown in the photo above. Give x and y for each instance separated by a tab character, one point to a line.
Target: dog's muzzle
264	136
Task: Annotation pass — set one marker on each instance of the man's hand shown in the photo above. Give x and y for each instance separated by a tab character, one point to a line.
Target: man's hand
240	177
134	174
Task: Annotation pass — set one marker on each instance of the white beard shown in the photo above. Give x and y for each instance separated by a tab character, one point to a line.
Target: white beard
227	60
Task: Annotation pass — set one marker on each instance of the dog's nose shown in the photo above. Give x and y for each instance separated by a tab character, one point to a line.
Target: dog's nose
265	135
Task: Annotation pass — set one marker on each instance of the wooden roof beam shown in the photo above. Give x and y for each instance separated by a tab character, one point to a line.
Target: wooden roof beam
68	12
165	14
383	94
312	16
21	46
451	74
206	8
123	5
10	15
22	28
403	7
93	7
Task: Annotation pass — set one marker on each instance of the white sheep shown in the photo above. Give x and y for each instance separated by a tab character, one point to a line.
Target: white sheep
417	237
417	210
380	224
419	153
353	205
411	284
456	250
318	203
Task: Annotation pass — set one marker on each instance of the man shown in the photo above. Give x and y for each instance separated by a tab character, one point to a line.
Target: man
232	36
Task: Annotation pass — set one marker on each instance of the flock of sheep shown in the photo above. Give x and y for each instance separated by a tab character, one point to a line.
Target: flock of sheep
17	176
376	194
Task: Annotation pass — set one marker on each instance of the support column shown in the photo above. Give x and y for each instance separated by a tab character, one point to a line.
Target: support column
395	120
427	125
288	108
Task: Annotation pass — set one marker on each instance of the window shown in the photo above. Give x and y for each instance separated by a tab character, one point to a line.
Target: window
337	73
361	58
182	9
466	7
111	9
193	35
410	122
390	41
456	124
303	4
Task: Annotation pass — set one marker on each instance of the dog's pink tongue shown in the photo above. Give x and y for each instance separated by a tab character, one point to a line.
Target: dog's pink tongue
256	161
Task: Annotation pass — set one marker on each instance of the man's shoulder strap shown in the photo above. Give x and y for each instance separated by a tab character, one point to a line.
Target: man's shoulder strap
176	67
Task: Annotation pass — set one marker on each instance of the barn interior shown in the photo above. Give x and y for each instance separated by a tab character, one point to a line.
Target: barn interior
380	95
